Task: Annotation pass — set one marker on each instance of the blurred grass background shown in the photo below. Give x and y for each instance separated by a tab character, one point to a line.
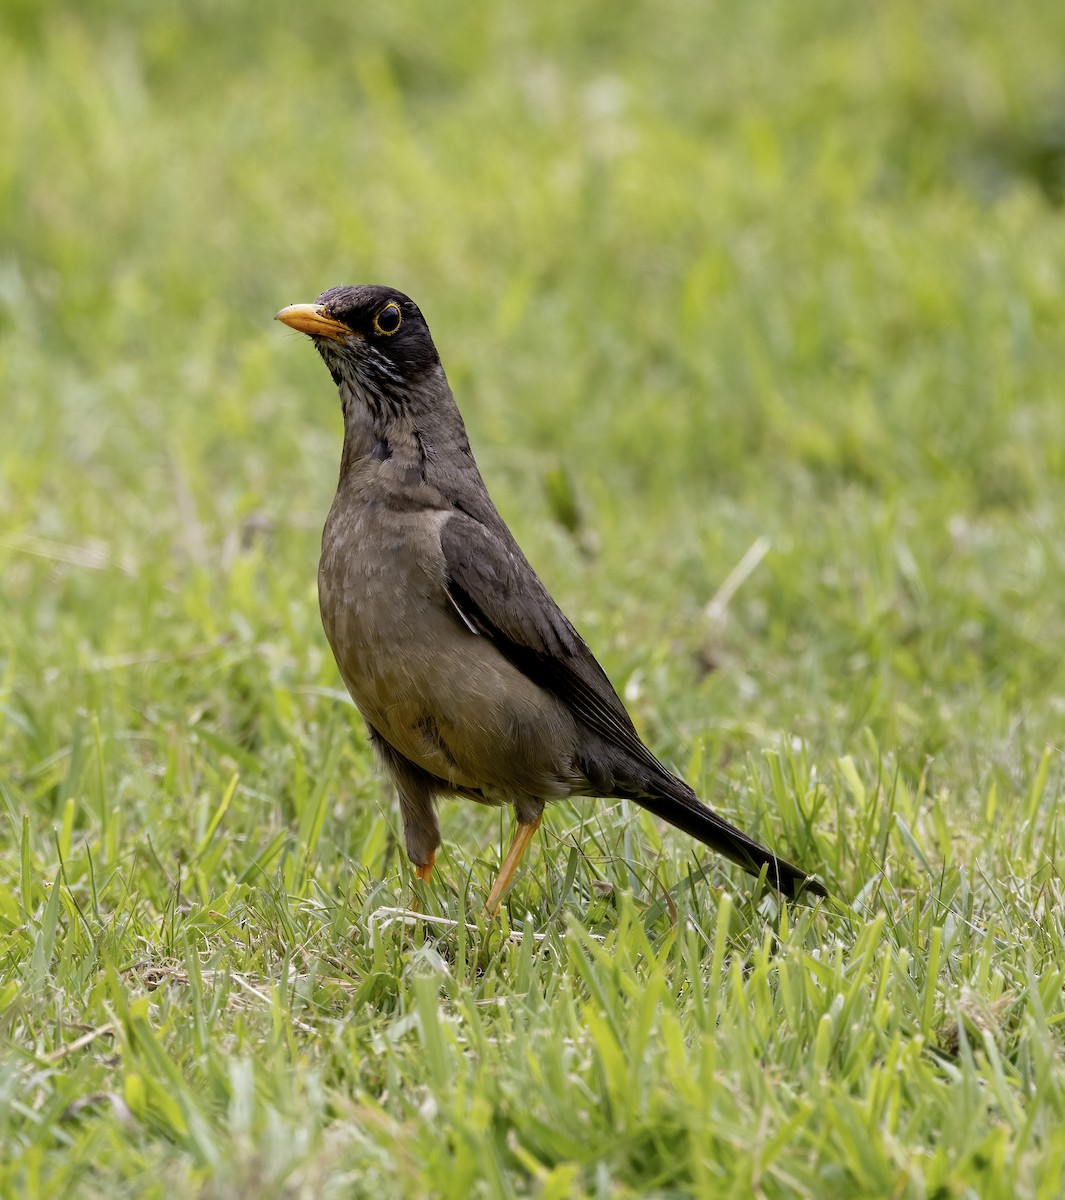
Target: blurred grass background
701	275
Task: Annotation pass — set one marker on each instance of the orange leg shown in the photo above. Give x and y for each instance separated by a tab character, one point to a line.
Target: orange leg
424	870
522	837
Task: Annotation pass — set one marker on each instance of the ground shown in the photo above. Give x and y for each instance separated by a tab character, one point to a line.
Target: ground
754	313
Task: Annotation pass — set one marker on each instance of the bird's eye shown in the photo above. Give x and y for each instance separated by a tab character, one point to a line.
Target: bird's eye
388	320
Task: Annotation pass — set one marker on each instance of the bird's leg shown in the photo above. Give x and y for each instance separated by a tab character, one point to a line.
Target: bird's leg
522	837
424	870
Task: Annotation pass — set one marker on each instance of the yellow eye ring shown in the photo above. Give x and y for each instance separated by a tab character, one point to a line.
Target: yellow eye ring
388	320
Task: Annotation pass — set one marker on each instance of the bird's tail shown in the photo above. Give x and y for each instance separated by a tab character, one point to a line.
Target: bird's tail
672	800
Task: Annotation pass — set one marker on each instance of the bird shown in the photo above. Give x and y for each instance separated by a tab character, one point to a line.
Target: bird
471	680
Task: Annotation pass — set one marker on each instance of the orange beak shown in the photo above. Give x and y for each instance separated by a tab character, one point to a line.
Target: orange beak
313	320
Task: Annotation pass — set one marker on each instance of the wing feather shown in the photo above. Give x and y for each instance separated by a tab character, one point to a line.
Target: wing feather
498	593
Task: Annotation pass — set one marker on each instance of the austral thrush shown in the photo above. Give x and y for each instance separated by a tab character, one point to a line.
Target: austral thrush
470	678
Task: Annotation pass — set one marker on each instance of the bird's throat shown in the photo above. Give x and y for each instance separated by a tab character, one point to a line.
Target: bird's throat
370	453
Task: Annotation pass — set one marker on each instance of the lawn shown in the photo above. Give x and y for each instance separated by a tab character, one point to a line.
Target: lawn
754	313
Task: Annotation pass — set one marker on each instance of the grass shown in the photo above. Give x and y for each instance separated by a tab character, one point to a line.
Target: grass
705	278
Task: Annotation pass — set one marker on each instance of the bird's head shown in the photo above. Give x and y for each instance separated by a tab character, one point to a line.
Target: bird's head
375	342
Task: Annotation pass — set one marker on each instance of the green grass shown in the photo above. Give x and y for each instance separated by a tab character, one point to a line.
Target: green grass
705	278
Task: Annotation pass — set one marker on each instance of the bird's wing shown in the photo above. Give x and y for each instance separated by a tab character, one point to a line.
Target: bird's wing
498	594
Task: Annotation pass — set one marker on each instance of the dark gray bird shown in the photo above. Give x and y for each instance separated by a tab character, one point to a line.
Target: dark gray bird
470	678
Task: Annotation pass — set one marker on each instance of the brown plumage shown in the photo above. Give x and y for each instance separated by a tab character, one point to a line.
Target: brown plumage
470	678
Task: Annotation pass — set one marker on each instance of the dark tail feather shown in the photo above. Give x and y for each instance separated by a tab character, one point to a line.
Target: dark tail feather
676	803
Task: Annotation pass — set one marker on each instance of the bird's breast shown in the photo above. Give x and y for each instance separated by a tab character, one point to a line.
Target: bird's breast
441	695
380	575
